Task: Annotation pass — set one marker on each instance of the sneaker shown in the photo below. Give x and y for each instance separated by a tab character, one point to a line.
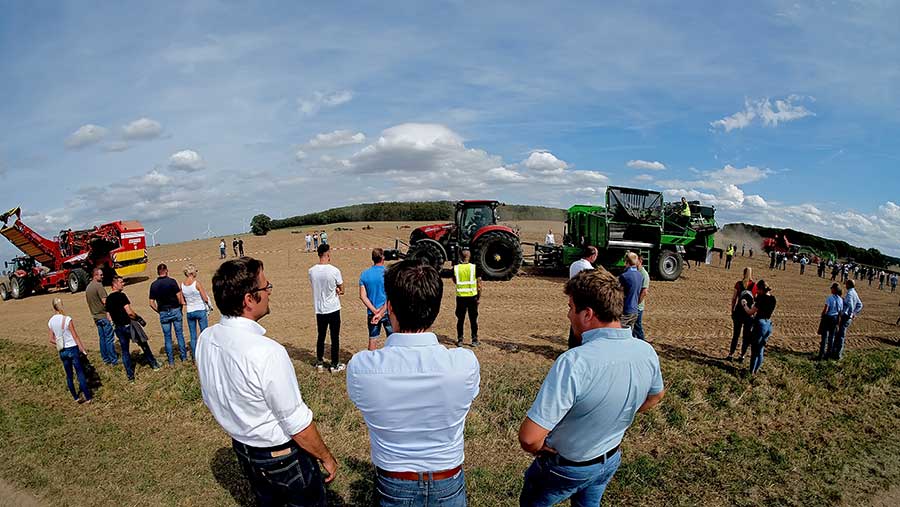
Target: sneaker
320	366
741	359
475	342
729	358
156	367
459	342
339	367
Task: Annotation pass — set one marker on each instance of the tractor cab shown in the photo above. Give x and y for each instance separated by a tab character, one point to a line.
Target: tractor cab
25	264
473	215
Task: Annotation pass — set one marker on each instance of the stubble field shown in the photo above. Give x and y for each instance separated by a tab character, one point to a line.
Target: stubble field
805	433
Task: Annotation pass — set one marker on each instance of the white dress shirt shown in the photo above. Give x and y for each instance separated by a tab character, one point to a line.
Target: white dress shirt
414	395
579	266
248	383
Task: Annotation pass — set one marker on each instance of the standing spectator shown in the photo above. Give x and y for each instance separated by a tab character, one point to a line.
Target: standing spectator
324	237
761	312
638	329
743	248
95	295
834	304
751	252
240	247
585	263
316	240
881	276
468	294
249	384
414	395
744	294
803	262
729	254
308	242
197	305
871	273
834	271
893	282
852	306
372	295
549	239
119	307
772	259
222	248
234	246
821	271
68	344
589	399
632	281
327	287
166	299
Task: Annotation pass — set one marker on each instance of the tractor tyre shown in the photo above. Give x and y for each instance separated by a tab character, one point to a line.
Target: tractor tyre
498	255
429	251
17	288
669	265
4	292
78	280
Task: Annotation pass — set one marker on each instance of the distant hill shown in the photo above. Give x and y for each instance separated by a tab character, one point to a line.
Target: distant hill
838	248
411	212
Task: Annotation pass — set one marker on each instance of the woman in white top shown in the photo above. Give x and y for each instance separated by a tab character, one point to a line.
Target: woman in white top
197	303
67	342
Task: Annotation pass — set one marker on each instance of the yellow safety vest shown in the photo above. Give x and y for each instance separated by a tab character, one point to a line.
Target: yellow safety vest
730	252
686	211
464	276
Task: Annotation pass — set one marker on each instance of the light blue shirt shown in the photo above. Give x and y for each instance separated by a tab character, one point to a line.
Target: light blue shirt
592	392
414	395
835	304
852	304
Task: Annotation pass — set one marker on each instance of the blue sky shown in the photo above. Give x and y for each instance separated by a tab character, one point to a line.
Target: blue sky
188	114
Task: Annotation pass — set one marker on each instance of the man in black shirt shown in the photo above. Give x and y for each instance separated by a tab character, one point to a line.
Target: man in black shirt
119	307
166	299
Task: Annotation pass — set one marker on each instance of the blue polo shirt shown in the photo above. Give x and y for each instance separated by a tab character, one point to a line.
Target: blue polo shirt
373	280
631	281
592	392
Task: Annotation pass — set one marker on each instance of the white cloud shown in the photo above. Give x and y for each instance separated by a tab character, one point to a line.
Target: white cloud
784	111
156	179
300	155
545	162
85	135
335	139
643	164
309	106
187	160
143	128
720	187
755	201
505	175
643	177
116	146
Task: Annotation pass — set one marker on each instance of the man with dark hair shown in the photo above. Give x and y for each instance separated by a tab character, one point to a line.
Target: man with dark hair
588	400
372	295
167	300
586	262
414	395
327	287
249	384
240	247
119	307
95	295
468	294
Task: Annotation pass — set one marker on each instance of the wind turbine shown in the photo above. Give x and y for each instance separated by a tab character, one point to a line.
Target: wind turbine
208	232
153	237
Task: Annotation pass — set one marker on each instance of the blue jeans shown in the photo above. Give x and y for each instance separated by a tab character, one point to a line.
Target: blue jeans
173	317
375	329
71	361
290	480
762	329
194	320
450	492
124	334
548	483
637	330
841	336
107	341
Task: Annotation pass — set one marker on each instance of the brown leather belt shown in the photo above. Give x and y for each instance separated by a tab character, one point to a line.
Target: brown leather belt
414	476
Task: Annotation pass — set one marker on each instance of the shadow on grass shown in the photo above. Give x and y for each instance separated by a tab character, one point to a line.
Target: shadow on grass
308	357
135	279
680	353
544	350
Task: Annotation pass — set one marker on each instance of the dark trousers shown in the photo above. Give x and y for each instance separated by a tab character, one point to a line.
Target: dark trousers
124	334
463	306
829	327
325	321
293	479
741	323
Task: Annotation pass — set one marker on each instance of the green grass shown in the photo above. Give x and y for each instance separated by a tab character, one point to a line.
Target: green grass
801	433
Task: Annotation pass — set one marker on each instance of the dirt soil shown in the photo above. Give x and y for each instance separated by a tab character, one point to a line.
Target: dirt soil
527	313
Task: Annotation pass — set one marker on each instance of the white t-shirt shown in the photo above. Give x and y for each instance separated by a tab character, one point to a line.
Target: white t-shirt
550	240
324	279
58	325
579	266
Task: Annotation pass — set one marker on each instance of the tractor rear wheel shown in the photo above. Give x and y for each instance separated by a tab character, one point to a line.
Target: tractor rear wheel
78	280
4	292
429	251
16	287
668	265
498	255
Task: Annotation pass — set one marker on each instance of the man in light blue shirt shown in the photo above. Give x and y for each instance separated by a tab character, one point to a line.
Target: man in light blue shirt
414	395
588	400
852	306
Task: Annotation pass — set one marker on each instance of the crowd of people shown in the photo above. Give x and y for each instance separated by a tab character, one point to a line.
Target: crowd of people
313	239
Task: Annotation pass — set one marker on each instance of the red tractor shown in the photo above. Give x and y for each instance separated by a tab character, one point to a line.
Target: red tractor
496	249
66	261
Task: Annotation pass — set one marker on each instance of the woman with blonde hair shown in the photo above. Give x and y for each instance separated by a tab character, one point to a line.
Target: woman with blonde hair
63	335
197	303
744	291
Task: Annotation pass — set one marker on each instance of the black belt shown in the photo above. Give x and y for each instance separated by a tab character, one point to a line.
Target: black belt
240	445
599	459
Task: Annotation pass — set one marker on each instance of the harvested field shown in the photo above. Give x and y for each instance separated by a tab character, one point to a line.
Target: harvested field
523	327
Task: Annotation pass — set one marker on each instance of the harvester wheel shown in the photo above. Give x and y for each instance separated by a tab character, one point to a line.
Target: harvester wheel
429	251
498	255
78	280
16	287
669	265
4	292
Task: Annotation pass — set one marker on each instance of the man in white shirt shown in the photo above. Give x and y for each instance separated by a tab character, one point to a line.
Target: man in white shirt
327	287
549	239
414	395
249	384
585	263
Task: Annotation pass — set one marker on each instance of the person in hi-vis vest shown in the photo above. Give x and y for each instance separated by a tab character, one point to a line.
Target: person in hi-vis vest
468	291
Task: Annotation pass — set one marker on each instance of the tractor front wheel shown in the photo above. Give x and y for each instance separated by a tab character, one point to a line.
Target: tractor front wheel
78	280
429	251
498	255
4	292
669	265
16	287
